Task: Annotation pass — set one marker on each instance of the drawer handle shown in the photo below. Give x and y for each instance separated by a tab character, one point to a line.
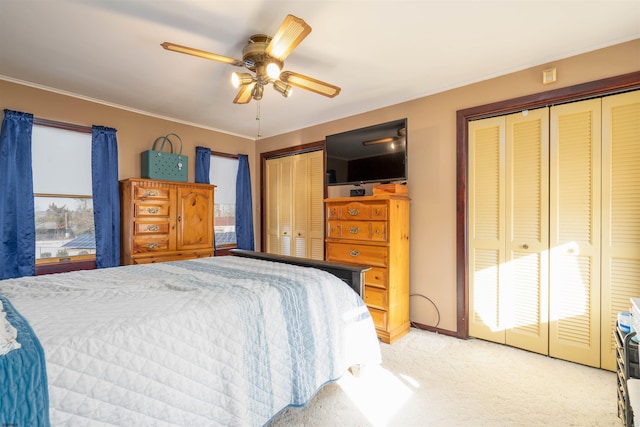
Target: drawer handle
377	231
153	245
353	212
153	210
153	227
151	193
377	212
354	252
354	230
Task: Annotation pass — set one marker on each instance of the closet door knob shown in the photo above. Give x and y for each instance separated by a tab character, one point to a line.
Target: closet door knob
525	246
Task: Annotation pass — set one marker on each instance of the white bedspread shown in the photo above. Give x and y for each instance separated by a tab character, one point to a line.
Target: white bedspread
217	341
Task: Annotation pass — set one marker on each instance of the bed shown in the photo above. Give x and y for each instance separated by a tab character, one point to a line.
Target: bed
213	341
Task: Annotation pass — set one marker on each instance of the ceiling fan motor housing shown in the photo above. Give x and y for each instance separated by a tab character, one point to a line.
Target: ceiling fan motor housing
254	56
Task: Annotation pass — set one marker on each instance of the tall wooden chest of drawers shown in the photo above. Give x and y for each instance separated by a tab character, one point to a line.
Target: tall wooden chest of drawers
165	220
374	231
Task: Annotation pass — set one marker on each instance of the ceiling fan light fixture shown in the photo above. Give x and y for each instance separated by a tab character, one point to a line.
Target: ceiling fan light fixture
282	87
258	90
273	70
241	79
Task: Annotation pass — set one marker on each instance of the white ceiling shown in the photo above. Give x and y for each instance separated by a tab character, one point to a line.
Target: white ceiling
379	52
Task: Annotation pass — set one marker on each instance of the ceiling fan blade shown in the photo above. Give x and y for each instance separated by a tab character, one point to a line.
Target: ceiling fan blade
202	54
245	94
291	32
309	83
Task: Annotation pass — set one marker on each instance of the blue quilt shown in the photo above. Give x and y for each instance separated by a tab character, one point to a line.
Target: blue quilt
24	399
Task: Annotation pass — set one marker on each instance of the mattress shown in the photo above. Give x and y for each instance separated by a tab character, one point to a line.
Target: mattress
215	341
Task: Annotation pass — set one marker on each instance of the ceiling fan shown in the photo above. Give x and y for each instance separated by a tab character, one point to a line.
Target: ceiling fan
264	56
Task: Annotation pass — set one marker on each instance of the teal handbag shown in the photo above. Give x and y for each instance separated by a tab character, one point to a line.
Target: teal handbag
158	164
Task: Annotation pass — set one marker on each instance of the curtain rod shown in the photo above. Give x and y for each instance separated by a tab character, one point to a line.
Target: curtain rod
61	125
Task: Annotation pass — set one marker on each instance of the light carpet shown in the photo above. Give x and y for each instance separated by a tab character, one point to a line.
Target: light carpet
429	379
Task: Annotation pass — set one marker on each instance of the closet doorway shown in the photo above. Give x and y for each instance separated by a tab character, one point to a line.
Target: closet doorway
293	192
550	225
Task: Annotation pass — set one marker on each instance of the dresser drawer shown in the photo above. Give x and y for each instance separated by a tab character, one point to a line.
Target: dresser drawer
142	209
145	245
355	210
378	211
379	318
376	298
378	231
148	227
143	193
377	277
357	230
333	211
374	256
334	229
171	256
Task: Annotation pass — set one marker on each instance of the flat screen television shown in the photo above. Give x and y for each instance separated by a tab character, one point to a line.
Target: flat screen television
373	154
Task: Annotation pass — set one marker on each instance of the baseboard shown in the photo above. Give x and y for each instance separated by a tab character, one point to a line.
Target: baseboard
434	329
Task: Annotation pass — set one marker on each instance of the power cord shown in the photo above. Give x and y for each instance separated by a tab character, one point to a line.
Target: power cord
415	325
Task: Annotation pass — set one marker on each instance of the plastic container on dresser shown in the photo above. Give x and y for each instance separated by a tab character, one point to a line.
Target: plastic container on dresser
626	367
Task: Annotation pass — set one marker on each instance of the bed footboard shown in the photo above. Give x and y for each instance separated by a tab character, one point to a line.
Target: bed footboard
351	274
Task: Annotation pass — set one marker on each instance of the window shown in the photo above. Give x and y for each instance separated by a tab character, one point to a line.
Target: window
63	203
222	173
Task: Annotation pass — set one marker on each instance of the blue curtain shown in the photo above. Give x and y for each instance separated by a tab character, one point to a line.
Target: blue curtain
203	164
244	208
17	219
106	197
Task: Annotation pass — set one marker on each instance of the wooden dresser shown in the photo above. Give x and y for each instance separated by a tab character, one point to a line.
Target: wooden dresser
165	220
374	231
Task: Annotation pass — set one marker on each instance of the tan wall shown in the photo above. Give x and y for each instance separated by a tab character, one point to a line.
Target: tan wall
136	132
432	152
432	162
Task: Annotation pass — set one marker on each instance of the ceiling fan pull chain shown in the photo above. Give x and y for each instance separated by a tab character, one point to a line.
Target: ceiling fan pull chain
258	118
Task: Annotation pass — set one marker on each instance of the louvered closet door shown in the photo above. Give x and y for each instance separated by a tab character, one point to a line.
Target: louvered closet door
508	229
316	205
620	212
526	270
279	205
300	207
308	196
575	173
294	205
486	228
285	205
271	215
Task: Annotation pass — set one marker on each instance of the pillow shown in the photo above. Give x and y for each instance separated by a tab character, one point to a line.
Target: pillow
8	334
